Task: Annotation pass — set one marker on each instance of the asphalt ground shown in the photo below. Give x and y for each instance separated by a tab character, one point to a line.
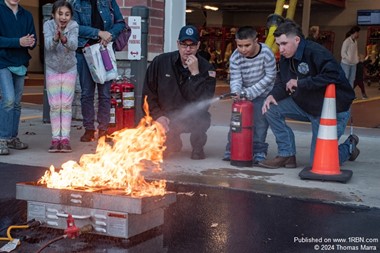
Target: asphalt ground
211	219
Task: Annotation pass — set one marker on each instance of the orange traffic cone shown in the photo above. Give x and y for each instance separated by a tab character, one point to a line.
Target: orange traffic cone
326	156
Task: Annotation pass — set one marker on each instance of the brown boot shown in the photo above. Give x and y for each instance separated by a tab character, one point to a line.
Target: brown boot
88	136
280	161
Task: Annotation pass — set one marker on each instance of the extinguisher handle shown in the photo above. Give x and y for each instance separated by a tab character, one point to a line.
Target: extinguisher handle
228	95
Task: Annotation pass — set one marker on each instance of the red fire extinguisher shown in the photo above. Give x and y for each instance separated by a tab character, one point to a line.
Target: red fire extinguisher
119	108
112	125
116	94
128	105
242	132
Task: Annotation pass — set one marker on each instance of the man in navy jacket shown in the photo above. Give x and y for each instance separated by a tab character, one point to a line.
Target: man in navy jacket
306	69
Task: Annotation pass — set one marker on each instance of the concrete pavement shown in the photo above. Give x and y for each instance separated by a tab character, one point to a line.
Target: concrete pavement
362	189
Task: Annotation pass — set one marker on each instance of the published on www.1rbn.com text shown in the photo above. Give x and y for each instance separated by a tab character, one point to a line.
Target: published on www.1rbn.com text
354	243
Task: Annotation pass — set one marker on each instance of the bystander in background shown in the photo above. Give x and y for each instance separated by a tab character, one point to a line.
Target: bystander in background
350	55
100	21
61	41
359	77
17	36
313	33
203	51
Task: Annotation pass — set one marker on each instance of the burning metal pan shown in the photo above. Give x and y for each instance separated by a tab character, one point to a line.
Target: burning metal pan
110	212
106	199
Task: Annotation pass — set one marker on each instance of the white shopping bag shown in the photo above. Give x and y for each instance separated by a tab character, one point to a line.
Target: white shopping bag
95	63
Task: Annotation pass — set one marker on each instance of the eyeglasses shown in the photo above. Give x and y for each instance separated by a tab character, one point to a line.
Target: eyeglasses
184	45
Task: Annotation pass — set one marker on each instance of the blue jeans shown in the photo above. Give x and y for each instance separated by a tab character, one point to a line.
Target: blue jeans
260	129
287	108
350	72
11	89
88	95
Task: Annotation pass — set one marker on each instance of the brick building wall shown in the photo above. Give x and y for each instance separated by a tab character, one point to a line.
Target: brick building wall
156	21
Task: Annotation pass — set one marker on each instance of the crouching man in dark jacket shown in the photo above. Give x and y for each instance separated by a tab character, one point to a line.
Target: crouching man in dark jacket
178	86
306	69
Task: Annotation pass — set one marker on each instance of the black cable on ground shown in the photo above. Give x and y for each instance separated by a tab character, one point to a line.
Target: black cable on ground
51	241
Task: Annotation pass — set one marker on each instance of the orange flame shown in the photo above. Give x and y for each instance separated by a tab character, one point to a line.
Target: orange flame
118	166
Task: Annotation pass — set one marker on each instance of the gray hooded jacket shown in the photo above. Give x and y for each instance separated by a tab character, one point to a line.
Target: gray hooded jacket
60	57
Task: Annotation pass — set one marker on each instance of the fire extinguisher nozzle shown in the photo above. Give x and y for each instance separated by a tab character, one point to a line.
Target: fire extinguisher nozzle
227	95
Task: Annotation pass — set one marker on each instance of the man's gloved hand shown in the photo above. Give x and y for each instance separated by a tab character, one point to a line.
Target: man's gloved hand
164	122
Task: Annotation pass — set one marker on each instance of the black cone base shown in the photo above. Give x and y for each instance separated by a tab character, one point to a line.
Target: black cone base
343	177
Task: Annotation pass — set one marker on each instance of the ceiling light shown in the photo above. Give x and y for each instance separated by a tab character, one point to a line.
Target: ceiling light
213	8
286	6
189	11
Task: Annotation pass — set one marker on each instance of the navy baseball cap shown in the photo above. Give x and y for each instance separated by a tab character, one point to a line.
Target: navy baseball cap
189	32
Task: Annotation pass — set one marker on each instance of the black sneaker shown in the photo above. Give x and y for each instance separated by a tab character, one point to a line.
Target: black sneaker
65	146
55	146
354	140
89	135
4	150
355	153
198	154
15	143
